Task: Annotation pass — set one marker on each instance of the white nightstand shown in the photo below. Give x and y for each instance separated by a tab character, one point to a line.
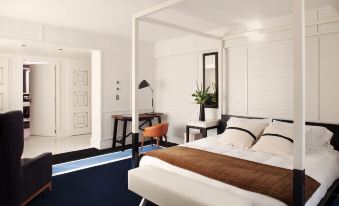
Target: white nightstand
203	126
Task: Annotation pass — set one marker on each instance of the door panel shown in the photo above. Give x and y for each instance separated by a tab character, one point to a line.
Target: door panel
42	93
81	99
4	92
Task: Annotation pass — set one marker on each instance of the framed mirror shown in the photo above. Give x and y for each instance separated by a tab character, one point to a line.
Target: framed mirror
210	78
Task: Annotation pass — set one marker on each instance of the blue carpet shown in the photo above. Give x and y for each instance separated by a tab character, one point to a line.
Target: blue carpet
66	167
96	186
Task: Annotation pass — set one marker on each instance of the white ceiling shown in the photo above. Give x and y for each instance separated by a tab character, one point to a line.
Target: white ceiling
102	16
114	16
41	49
233	12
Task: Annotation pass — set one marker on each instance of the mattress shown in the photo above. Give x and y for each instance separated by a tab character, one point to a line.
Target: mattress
322	165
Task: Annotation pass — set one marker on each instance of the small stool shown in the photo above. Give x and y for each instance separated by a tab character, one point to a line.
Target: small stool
193	136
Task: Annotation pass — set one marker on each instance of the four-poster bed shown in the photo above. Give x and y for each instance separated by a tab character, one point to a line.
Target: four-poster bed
299	89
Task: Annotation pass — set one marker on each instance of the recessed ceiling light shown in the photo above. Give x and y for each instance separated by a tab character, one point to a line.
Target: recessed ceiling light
23	45
60	49
34	62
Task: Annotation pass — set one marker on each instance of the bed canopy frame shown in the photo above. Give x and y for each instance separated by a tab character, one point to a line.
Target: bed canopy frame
299	84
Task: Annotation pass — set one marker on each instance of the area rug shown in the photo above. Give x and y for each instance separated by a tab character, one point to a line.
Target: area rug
103	185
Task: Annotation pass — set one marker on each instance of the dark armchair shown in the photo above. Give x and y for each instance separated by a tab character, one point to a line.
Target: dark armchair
20	179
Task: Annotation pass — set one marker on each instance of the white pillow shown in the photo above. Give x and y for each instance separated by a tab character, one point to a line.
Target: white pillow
316	137
242	132
276	139
326	139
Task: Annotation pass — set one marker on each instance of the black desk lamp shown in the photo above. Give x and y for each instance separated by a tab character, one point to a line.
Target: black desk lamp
144	84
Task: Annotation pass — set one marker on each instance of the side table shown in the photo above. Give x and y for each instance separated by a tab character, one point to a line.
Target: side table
203	126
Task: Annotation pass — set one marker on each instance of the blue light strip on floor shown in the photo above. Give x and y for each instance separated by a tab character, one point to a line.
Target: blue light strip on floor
76	165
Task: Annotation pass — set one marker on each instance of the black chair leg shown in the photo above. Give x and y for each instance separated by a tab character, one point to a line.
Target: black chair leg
166	139
124	135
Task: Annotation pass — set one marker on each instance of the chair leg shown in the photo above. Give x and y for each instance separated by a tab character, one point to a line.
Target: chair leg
152	141
142	142
143	202
50	187
158	141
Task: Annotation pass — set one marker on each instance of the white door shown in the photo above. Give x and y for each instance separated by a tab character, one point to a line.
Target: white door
4	92
42	93
80	92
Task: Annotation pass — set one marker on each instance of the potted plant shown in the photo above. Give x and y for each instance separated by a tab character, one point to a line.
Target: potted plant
200	97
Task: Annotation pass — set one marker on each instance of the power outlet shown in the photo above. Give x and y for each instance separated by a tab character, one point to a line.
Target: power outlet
117	97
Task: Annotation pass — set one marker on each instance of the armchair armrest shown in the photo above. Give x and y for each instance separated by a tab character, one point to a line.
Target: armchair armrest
43	160
37	172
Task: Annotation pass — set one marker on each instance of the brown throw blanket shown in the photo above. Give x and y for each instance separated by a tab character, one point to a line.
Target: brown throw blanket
252	176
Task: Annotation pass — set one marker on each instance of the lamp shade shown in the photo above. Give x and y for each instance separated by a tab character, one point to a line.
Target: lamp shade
143	84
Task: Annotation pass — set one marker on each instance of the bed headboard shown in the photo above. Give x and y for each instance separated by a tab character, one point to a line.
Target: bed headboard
332	127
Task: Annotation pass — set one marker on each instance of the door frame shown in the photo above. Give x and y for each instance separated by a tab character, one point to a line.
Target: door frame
19	61
60	106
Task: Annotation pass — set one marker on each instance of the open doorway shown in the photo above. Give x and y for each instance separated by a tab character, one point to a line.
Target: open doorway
56	105
39	95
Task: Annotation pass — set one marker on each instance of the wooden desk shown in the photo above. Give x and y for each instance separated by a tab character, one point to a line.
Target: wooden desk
143	118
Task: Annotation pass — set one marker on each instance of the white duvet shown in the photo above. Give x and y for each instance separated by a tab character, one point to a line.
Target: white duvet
322	165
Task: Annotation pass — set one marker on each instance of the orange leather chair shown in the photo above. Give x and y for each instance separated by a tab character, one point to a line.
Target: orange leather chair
157	131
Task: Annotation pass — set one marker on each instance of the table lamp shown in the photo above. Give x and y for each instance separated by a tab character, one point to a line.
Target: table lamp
144	84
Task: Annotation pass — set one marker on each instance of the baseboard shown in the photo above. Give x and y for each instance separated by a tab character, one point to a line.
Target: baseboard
175	139
96	143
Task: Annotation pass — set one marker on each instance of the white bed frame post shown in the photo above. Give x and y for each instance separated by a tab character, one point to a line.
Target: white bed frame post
221	80
135	57
135	113
299	102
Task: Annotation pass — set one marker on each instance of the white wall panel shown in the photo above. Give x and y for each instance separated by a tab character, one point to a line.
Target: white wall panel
206	44
176	46
329	73
13	28
4	84
270	80
178	68
237	81
175	83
